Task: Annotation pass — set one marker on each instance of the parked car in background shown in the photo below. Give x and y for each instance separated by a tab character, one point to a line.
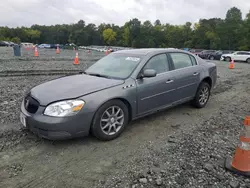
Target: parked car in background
196	51
205	53
217	55
4	43
54	46
44	46
11	44
120	87
8	43
70	46
237	56
27	44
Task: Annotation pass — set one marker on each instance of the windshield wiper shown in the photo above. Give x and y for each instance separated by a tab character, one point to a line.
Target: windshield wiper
98	75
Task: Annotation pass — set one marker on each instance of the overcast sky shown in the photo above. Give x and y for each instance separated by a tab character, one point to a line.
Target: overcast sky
48	12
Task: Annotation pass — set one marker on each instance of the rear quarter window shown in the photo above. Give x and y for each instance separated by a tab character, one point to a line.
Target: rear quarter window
181	60
194	62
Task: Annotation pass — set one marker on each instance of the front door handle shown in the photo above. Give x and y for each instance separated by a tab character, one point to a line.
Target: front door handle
195	73
169	81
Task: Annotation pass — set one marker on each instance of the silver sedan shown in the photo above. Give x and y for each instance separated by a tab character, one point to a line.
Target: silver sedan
121	87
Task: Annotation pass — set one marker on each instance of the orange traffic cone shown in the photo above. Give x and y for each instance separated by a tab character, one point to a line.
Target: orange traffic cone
57	50
36	52
231	65
240	163
76	62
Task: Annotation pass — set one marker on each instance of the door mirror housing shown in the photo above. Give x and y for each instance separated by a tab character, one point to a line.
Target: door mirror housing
148	73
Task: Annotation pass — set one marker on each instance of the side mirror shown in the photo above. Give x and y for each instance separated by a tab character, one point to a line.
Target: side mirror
148	73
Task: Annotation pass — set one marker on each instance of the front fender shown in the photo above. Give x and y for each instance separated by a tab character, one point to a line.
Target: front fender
126	91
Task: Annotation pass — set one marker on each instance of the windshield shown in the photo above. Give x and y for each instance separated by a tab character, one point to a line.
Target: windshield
118	66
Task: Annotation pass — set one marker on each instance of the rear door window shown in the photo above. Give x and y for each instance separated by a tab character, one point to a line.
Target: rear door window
240	53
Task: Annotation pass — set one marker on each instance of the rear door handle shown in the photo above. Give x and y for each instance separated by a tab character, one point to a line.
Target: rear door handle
169	81
195	73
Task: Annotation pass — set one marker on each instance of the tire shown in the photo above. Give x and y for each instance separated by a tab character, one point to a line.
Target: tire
228	59
97	128
211	57
248	60
196	101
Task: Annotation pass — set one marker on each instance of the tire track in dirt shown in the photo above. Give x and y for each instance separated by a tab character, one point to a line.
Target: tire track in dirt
53	174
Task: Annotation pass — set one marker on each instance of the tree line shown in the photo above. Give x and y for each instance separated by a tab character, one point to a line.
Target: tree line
231	33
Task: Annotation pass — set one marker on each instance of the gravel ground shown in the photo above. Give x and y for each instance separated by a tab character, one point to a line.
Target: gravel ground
180	147
47	60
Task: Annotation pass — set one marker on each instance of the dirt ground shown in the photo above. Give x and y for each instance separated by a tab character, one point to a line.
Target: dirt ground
180	147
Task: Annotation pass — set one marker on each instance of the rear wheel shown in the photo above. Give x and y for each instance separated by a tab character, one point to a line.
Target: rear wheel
248	60
228	59
211	57
202	95
110	120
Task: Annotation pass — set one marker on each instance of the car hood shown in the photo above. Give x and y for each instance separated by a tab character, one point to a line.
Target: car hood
71	87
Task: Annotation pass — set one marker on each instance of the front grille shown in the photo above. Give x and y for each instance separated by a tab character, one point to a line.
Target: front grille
30	104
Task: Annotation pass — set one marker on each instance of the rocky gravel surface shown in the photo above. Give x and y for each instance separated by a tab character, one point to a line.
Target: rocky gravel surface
12	91
194	159
47	60
180	147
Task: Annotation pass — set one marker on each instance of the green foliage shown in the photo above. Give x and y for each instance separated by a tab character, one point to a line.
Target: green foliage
243	48
32	35
126	35
4	39
109	36
232	33
16	40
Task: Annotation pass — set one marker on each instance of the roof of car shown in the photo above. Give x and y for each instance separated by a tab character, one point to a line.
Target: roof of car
145	51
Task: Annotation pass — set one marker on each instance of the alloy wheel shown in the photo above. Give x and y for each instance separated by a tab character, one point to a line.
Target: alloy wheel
204	95
112	120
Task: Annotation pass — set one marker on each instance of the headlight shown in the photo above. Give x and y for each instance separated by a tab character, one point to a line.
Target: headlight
64	108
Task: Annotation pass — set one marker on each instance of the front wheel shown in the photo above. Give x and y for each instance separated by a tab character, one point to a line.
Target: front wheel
110	120
248	60
202	95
